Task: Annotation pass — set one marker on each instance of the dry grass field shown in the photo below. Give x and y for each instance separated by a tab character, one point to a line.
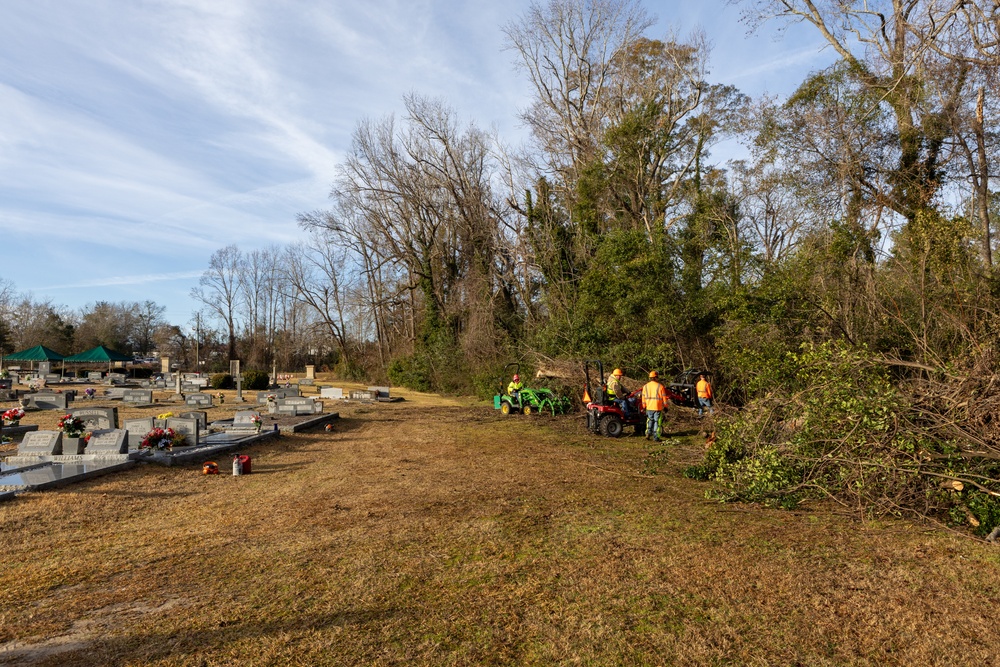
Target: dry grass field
436	532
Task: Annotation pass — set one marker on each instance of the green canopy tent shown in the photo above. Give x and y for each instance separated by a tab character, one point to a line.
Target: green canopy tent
33	354
98	354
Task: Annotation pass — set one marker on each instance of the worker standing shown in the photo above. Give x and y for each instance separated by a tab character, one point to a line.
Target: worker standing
654	402
705	397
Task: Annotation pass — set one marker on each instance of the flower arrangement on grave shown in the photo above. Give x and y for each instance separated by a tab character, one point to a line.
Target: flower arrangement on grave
165	415
222	397
34	384
72	426
256	421
271	398
4	374
90	392
162	439
13	416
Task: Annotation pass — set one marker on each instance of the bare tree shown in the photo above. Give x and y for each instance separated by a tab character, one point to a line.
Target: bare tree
219	290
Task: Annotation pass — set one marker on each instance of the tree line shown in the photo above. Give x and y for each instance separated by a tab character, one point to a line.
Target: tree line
838	280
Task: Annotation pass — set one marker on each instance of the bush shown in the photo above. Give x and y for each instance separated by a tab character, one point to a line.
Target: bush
222	381
411	372
256	380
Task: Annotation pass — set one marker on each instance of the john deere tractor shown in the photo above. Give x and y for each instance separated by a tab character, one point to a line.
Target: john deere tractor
528	401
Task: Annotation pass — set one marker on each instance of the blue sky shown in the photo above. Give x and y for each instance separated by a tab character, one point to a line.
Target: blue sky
139	136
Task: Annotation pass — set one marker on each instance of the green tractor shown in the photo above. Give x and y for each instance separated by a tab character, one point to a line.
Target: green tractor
528	401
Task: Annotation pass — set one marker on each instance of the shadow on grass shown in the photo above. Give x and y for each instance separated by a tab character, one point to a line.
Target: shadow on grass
206	644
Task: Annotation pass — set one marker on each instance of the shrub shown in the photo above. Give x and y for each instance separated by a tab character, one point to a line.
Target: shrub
256	380
221	381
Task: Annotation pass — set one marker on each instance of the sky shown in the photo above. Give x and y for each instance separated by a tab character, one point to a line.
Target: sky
137	137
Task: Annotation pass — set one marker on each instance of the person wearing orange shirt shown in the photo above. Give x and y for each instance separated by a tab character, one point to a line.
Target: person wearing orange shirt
705	397
654	402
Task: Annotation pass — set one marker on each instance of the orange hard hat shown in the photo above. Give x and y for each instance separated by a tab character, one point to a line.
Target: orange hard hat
653	374
617	372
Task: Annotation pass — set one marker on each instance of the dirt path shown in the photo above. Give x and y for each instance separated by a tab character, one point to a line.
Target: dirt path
434	532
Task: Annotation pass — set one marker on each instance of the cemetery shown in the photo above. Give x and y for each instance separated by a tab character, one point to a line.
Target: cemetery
54	437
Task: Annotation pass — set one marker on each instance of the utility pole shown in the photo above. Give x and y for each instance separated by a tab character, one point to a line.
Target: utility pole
197	342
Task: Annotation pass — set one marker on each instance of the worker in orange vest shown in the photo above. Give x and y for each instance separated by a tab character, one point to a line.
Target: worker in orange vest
654	402
704	390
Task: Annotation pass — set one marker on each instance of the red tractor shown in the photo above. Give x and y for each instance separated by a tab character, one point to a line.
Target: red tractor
605	415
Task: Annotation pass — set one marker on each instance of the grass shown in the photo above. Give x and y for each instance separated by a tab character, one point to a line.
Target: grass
437	532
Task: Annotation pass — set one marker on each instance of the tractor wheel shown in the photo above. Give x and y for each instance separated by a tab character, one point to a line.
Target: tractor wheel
505	408
611	426
526	409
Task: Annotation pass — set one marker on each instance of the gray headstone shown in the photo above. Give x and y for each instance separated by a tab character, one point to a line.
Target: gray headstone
307	382
115	393
97	418
200	415
41	443
113	441
244	417
95	377
6	383
138	396
137	430
331	392
48	401
380	392
189	427
199	400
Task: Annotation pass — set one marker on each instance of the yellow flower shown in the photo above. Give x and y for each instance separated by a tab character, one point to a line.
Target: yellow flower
165	415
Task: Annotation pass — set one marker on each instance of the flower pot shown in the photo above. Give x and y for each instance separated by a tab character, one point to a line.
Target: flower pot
73	446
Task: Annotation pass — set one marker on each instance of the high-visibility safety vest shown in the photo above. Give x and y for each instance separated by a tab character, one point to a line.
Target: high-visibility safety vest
615	388
704	389
654	396
514	386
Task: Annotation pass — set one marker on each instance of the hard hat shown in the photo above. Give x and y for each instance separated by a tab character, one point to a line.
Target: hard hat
516	377
617	372
653	374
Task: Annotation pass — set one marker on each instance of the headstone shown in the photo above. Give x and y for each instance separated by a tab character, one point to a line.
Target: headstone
360	395
380	392
200	415
95	377
165	365
307	382
116	378
310	372
111	441
242	421
138	396
44	368
97	418
115	393
52	377
190	387
48	401
137	430
199	400
41	443
6	383
331	392
297	405
189	427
